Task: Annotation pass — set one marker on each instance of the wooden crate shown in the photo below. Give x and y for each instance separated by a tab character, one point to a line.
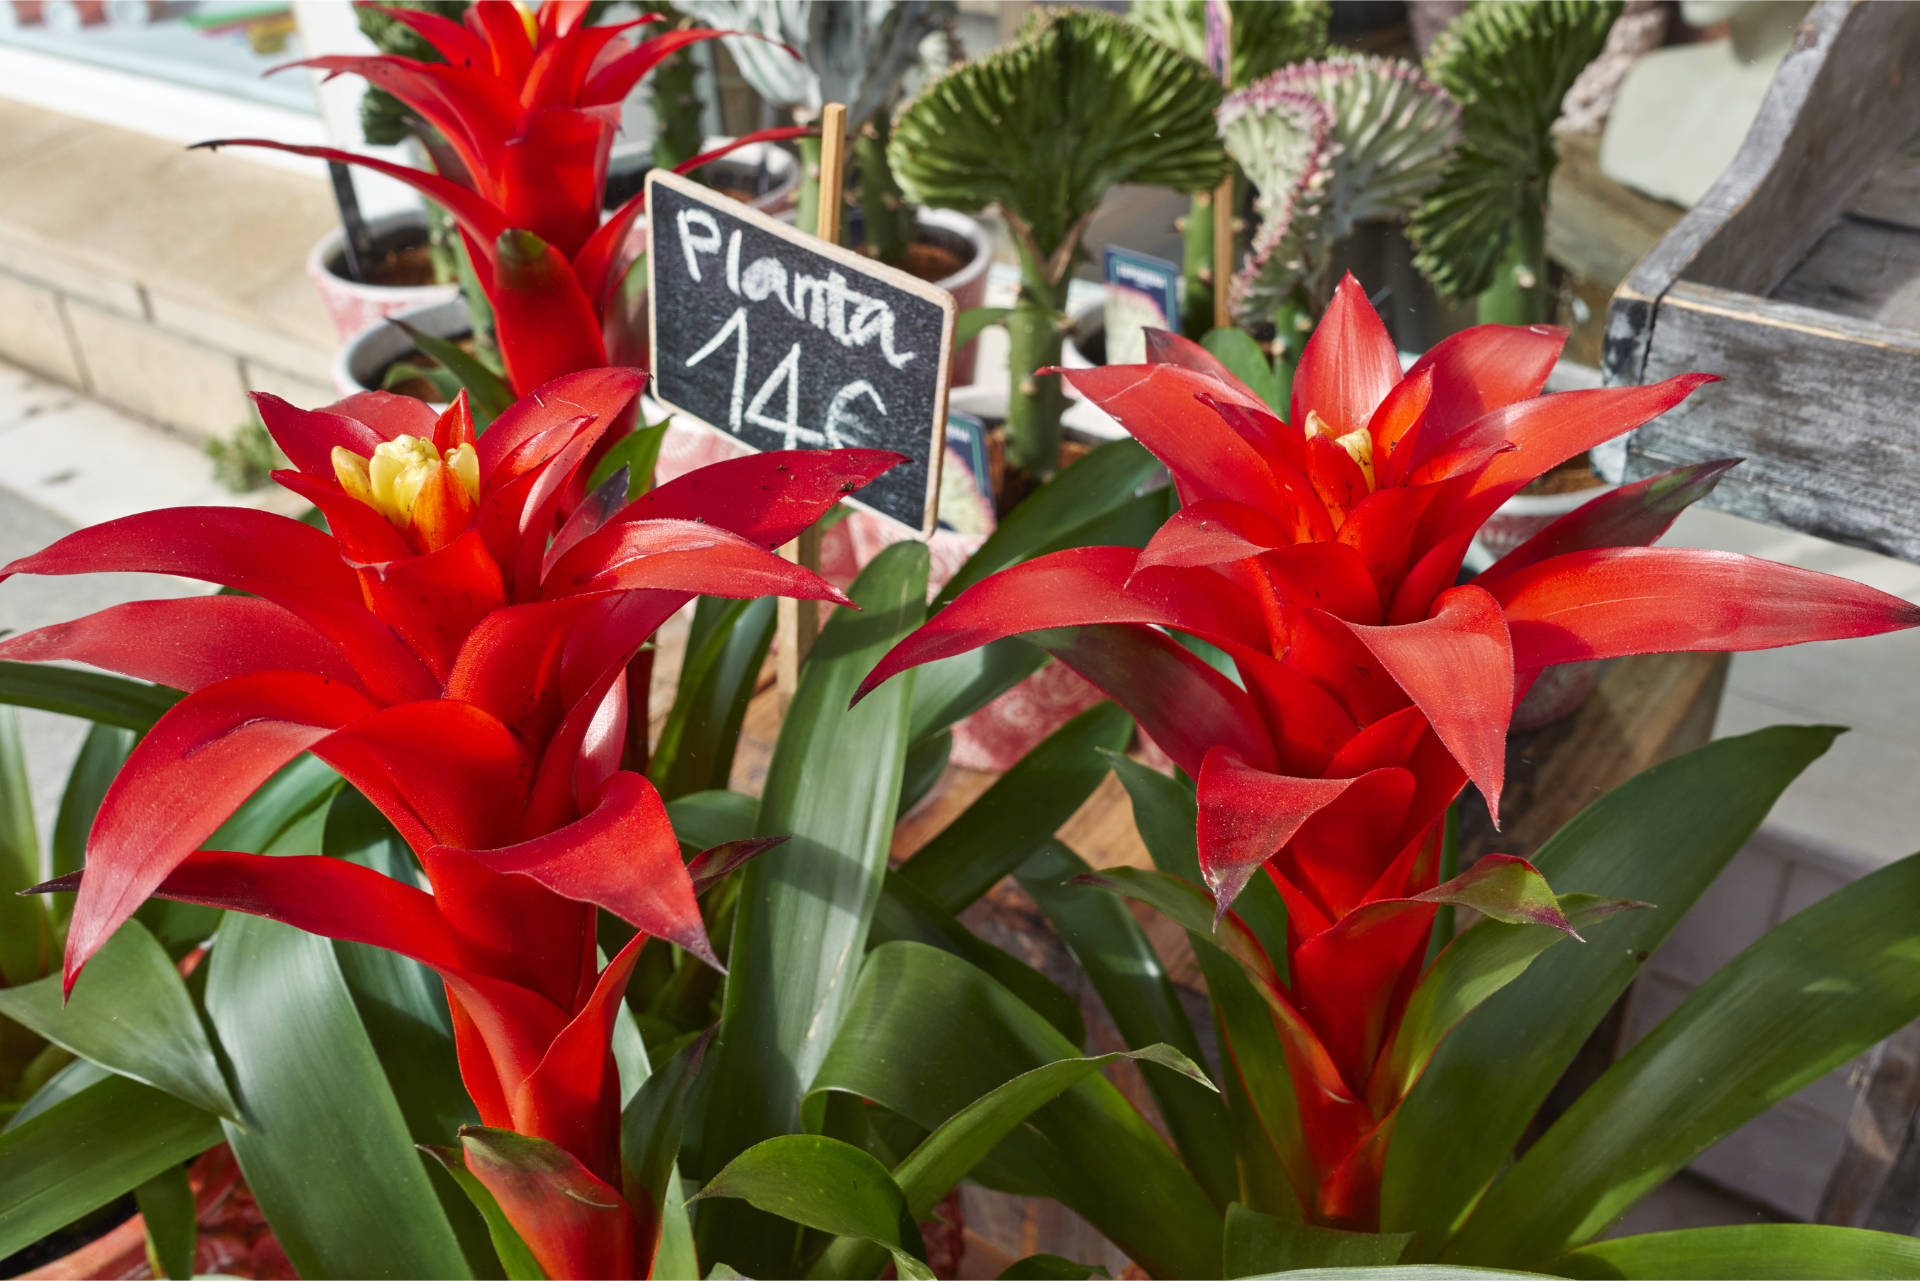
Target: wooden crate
1797	279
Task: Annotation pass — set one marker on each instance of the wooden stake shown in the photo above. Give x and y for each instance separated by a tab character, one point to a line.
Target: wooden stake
799	621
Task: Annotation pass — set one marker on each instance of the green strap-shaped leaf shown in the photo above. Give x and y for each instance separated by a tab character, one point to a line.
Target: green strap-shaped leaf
962	1141
651	1125
1167	817
1748	1250
1810	994
803	911
516	1260
906	913
94	696
1020	811
171	1219
26	930
102	754
131	1014
404	1010
1475	965
1105	478
703	820
927	1034
1126	973
926	761
1459	1125
326	1151
1273	1157
1260	1243
487	393
76	1076
91	1147
830	1186
725	649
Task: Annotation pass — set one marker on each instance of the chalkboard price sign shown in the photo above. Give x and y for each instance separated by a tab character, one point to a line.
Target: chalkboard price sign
784	341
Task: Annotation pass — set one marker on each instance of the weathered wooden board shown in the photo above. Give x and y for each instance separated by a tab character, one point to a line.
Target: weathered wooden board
1821	406
1864	269
1892	195
1809	311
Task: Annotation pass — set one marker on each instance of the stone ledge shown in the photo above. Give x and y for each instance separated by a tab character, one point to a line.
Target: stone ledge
159	279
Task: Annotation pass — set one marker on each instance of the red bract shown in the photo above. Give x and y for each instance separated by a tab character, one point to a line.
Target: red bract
526	110
457	649
1321	556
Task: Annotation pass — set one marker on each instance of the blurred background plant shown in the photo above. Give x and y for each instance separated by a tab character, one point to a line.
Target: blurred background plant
1042	129
1326	145
1266	36
1481	230
245	460
855	52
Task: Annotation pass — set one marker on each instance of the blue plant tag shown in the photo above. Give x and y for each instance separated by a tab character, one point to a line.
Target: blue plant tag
1142	291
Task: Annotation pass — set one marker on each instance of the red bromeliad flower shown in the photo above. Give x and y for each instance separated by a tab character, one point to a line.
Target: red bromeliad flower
527	109
457	650
1321	555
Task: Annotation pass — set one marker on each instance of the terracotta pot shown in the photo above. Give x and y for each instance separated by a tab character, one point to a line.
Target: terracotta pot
353	306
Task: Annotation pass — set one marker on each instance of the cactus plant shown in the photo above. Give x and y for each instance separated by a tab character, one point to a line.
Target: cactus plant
1326	145
854	52
1266	36
1043	128
1482	229
674	91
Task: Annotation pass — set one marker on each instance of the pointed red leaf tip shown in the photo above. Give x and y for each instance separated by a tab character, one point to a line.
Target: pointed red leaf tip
1349	365
197	764
621	856
1070	588
1611	602
1633	515
1248	815
711	866
1457	667
1507	889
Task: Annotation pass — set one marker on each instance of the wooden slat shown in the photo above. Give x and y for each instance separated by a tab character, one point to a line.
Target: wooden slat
1844	99
1892	195
1865	269
1820	406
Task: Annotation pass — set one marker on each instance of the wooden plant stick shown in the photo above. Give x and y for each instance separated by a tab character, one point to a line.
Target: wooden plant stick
799	620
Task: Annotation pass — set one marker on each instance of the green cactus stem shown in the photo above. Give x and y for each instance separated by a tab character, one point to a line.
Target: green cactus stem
675	93
1196	267
1519	293
884	208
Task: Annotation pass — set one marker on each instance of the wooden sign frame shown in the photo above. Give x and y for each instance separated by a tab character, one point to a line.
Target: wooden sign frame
856	265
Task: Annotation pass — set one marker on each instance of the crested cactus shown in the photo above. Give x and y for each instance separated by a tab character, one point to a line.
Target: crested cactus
1327	145
1266	35
854	52
1482	229
1043	129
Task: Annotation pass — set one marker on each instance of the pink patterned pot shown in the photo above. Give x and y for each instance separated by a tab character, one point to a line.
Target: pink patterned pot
353	306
